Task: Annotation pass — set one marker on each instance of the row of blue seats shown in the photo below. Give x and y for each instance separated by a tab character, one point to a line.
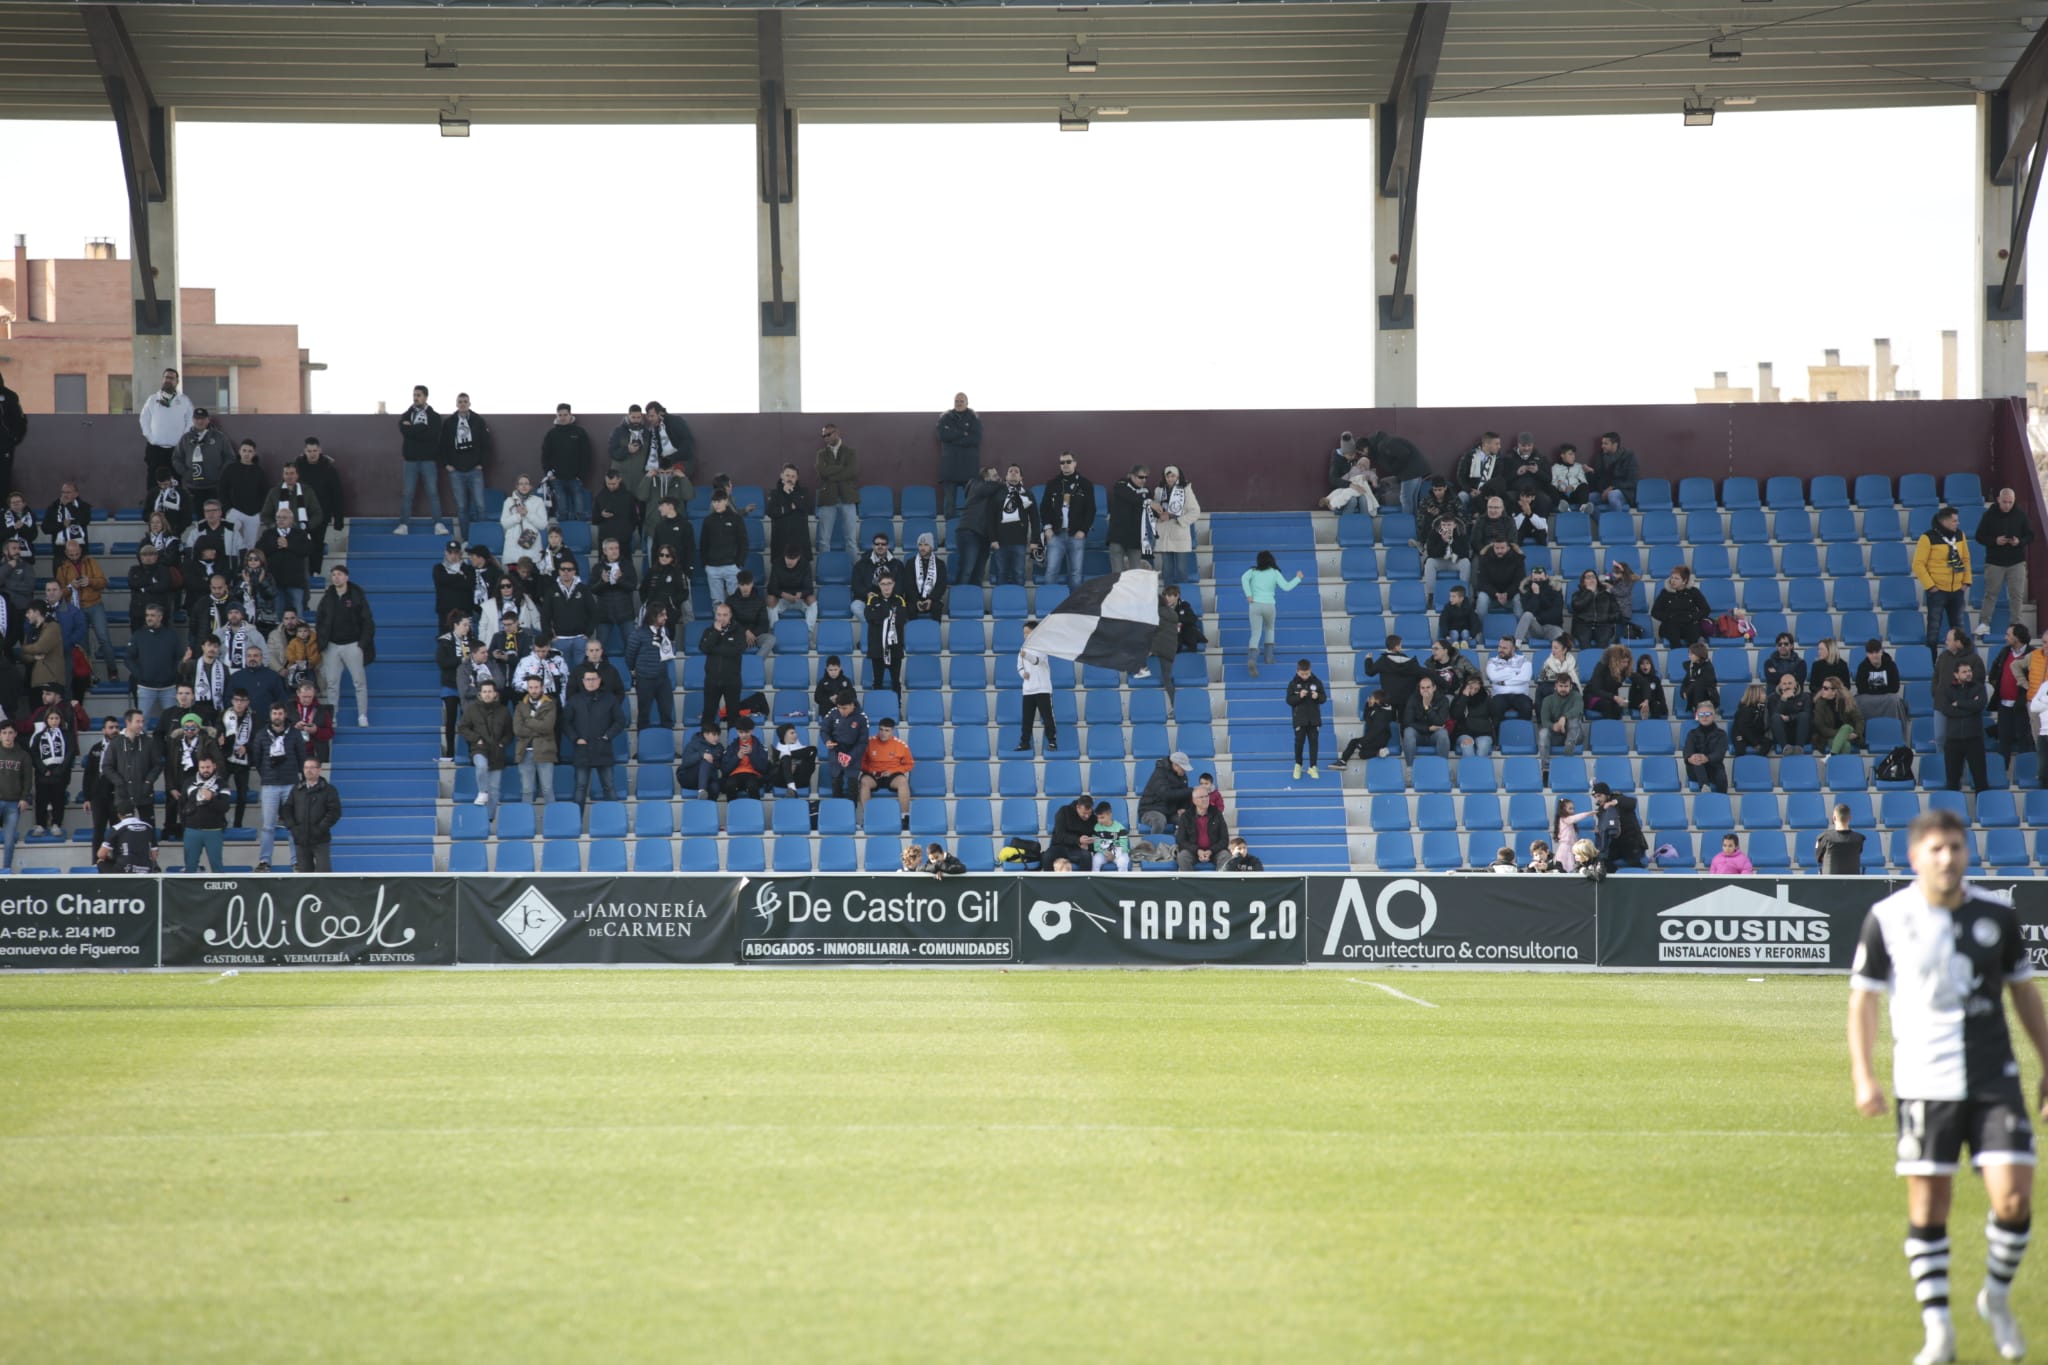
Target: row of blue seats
929	818
2005	852
1624	532
1754	810
1569	774
833	853
1902	631
1711	564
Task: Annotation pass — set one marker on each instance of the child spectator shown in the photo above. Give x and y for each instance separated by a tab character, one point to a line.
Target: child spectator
1306	694
701	769
1112	840
1378	735
1646	690
1504	861
1540	858
1458	622
1731	861
1240	858
885	766
1699	685
795	762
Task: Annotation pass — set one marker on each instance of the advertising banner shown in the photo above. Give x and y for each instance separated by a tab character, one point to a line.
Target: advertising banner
594	919
1162	920
2030	899
317	921
1462	921
888	919
55	924
1745	924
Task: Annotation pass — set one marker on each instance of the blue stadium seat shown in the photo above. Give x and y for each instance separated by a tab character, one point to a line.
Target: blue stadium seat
700	819
922	637
1481	813
1747	528
1750	773
1007	601
1787	527
2005	851
1358	563
838	853
516	821
607	820
1873	490
1653	494
746	854
1784	491
1475	775
1568	776
468	858
1441	852
1659	528
1063	778
973	817
1653	736
1020	817
1431	774
1996	810
1767	849
1918	490
792	854
1847	773
1963	490
877	501
744	817
468	822
1696	494
1385	775
513	857
966	600
1435	810
1828	490
835	816
1616	771
1521	774
1739	493
1394	852
1608	737
563	820
606	855
1713	810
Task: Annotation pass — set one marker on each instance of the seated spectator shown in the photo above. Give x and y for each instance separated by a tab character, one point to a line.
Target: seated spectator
1166	793
834	686
1378	735
1681	609
1706	750
1699	685
845	733
1617	832
1542	607
1731	861
1525	471
1437	502
1472	719
795	763
1510	678
487	726
913	858
1449	667
1445	549
926	584
870	567
885	767
1837	724
1504	861
1240	858
150	583
480	669
1398	672
793	586
1458	622
701	767
1540	857
722	546
1426	720
650	658
1607	689
1568	485
1353	485
1613	477
1206	782
1751	730
750	615
589	726
534	726
547	665
1072	838
1787	660
1792	716
1200	835
1492	524
1829	663
1497	580
1646	690
1532	526
1112	840
1560	720
1961	706
747	765
1474	474
1879	689
1596	615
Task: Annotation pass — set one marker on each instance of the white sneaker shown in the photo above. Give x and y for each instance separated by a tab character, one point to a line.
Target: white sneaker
481	800
1297	770
440	528
1996	1310
363	721
401	530
1941	1343
1142	673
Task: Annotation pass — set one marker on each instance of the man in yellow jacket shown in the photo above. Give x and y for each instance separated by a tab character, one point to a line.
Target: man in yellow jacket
1941	563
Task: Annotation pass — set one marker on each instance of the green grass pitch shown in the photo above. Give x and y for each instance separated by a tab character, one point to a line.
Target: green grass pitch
974	1166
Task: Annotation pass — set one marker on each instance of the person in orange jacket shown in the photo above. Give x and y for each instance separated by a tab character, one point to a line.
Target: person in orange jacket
885	767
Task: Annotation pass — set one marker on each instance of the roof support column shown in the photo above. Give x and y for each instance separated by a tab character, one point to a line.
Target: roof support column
148	137
776	253
2002	211
1397	171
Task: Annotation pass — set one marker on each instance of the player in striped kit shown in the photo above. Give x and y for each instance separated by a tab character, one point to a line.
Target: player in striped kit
1946	953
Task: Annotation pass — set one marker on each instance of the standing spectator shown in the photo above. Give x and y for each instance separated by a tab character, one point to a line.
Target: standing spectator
53	747
722	646
98	788
1596	615
487	727
1067	511
614	514
130	764
885	767
1446	548
977	528
1962	704
1166	793
80	577
565	457
701	766
572	610
1036	672
13	431
524	517
205	813
264	685
454	584
1398	671
154	653
615	586
1130	528
1259	584
1837	724
1617	833
2038	709
130	846
1941	565
1542	607
1400	459
845	733
869	568
2010	669
793	586
1706	750
1731	861
239	728
959	453
1426	720
722	543
2005	534
170	500
165	417
649	654
1510	678
20	525
1839	849
419	432
1681	609
1956	652
834	686
287	550
1792	716
313	720
669	442
1175	510
626	448
588	728
790	510
311	811
661	494
1200	834
150	583
17	789
535	724
42	648
838	466
204	457
1017	529
1560	720
1306	694
926	585
1497	581
451	656
291	493
886	613
1613	475
348	640
750	614
323	481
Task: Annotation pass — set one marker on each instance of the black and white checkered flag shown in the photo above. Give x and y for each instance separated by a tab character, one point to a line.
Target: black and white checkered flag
1107	622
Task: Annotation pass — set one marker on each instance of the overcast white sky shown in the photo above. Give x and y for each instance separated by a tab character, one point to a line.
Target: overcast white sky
1168	265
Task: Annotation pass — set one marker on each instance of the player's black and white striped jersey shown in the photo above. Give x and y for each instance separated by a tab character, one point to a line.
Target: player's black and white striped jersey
1945	972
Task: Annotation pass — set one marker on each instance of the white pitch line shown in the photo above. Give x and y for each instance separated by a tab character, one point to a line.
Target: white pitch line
1398	995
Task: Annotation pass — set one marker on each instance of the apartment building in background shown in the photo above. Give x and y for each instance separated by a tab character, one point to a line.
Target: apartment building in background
66	342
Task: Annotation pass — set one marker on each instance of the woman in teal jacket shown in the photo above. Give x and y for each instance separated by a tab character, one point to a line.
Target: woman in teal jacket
1259	581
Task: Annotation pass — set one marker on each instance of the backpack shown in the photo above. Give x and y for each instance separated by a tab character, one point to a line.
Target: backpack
1896	766
1727	626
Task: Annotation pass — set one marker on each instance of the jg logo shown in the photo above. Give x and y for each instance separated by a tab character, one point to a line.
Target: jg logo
767	900
1351	904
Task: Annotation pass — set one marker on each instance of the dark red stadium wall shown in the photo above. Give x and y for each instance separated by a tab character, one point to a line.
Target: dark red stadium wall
1238	459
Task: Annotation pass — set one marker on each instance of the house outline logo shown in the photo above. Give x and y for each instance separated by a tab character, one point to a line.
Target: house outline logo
532	920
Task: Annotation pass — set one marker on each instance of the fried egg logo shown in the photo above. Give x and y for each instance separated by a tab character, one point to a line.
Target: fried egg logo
1052	919
766	903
